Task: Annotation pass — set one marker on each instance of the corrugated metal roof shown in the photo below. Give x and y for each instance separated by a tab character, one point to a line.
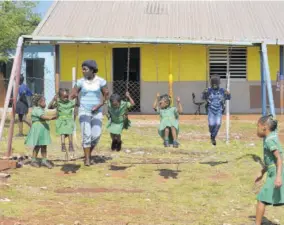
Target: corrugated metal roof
195	20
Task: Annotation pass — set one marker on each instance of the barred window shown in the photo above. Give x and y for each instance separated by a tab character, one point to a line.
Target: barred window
233	57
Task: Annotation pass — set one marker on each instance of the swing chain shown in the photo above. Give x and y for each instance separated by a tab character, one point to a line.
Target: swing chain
157	65
128	64
179	58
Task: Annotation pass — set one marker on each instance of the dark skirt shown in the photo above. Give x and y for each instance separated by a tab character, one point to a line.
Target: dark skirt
22	108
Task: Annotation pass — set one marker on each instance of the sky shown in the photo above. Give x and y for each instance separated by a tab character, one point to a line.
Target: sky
42	6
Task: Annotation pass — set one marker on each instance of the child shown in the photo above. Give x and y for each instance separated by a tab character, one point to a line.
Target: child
22	107
215	98
65	121
39	136
169	125
272	193
118	119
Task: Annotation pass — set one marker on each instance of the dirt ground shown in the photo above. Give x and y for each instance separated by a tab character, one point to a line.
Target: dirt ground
145	183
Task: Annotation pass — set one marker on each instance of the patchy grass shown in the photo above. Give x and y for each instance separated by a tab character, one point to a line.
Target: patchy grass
145	183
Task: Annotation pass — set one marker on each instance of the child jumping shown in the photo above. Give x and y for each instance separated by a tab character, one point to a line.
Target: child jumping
272	192
169	124
118	119
215	98
39	134
65	119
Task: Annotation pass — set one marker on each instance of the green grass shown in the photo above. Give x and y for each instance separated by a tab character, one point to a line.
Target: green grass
200	184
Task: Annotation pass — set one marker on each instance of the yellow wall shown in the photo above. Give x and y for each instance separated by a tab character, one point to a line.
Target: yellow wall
253	62
192	64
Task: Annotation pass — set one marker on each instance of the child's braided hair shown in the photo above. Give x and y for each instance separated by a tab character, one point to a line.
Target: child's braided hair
271	122
36	98
167	98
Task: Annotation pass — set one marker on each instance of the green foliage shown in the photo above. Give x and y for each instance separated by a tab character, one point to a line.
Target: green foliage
16	19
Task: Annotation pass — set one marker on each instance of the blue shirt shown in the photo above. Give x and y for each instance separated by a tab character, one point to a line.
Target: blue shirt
90	92
24	90
215	99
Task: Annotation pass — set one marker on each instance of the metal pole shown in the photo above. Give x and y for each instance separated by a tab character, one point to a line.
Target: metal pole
228	101
74	116
16	80
17	60
281	81
268	79
263	84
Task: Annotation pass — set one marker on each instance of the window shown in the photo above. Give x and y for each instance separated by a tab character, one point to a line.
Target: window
35	75
233	57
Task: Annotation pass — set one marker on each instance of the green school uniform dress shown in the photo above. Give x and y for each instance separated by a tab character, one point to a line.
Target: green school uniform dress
269	194
39	133
117	120
168	118
65	122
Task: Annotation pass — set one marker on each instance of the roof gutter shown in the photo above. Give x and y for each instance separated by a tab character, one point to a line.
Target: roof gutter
136	41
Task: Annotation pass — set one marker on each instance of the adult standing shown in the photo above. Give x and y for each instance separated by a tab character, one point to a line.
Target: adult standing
91	88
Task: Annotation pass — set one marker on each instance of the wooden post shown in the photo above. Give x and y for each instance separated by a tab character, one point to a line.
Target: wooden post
57	82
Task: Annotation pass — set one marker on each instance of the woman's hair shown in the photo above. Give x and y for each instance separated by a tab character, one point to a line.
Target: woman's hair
269	121
115	97
62	90
92	65
36	98
167	98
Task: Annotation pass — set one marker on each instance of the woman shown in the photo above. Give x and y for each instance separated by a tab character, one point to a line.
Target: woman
91	87
22	107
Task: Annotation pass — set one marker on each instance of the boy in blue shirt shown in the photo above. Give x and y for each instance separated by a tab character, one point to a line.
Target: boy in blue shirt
215	98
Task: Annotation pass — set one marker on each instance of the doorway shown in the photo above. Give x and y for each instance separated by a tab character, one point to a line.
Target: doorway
120	56
35	75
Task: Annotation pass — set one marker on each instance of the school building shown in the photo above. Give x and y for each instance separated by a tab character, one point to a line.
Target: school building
216	37
37	68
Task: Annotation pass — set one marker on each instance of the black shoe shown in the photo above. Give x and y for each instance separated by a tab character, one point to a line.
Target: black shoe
175	144
46	164
166	144
35	164
213	141
118	146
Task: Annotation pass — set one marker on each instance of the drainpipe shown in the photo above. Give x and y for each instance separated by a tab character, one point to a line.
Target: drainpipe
139	40
267	77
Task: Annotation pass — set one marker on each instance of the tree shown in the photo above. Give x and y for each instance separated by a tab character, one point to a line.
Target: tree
16	19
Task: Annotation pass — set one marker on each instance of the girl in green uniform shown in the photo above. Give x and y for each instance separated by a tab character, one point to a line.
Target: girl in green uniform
272	192
39	134
118	119
65	119
169	125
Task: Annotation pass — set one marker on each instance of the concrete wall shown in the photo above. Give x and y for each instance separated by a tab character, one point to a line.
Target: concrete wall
189	69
